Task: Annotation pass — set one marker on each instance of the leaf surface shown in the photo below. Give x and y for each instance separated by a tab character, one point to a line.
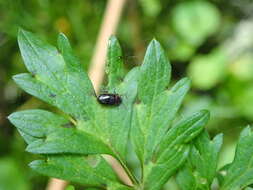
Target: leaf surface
158	106
58	78
201	166
88	171
240	172
173	150
154	73
53	78
55	134
154	142
114	66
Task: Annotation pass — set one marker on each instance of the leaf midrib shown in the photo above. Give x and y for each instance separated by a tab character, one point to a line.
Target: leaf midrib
150	113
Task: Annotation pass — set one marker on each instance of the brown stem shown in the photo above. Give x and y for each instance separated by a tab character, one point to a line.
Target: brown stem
56	184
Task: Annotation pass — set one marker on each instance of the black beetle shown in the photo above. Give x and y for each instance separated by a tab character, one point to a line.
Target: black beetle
109	99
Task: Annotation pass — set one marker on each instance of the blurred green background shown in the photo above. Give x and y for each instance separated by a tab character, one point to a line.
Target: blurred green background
211	42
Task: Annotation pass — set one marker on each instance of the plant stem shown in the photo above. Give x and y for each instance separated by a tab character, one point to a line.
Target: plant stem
108	27
129	173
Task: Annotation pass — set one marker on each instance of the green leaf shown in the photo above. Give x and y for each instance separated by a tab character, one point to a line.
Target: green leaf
114	65
153	116
88	171
57	78
183	132
87	126
240	172
186	180
156	174
154	73
52	78
28	138
200	170
222	172
173	150
55	134
70	59
72	143
145	133
205	155
161	162
116	120
162	113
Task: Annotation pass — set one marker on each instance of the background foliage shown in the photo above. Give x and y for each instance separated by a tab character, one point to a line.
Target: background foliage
208	41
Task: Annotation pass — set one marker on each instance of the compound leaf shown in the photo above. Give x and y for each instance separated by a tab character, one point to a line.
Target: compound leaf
72	142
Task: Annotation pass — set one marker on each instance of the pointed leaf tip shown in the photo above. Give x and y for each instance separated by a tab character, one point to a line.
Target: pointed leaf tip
186	81
62	37
23	34
154	42
246	132
20	79
11	117
205	113
34	164
113	38
113	42
21	31
61	34
16	77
